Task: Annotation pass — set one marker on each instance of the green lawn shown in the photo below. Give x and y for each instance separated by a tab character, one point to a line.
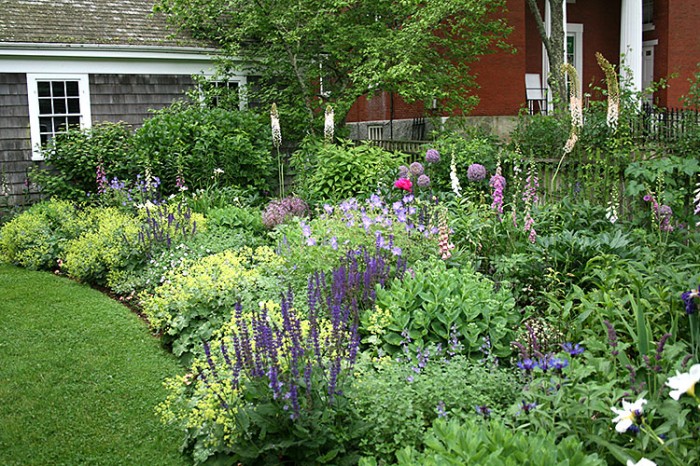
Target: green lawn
79	378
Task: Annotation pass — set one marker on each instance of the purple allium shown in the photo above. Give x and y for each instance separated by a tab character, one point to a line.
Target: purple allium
476	172
279	211
416	169
432	156
423	181
403	171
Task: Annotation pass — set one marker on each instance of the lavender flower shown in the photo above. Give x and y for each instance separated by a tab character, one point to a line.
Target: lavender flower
476	172
612	337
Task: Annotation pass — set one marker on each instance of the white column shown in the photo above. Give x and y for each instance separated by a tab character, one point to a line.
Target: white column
631	45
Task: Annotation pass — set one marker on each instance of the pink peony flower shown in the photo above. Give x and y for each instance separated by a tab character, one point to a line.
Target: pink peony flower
405	184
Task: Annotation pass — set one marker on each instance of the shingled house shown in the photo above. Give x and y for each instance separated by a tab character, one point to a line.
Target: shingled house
78	62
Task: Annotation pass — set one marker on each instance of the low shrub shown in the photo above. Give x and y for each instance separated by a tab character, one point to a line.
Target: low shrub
418	388
490	443
77	159
37	238
199	147
433	302
197	297
329	172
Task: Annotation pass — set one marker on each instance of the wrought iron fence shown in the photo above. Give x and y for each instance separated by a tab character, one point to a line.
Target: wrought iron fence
664	125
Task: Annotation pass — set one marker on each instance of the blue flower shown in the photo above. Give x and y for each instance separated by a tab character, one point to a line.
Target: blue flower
688	298
527	364
573	350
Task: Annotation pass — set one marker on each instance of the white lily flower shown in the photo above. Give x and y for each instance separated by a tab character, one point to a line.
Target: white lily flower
684	383
626	416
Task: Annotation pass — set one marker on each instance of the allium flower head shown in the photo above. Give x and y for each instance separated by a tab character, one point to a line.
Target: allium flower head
416	169
403	171
432	156
629	413
684	383
423	181
476	172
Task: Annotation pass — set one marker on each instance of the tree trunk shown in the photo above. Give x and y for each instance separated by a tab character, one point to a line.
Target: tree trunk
554	44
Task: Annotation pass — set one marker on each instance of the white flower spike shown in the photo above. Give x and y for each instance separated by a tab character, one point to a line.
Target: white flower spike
684	383
626	416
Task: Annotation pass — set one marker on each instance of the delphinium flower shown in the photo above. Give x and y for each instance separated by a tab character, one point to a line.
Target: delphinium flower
498	183
329	123
629	415
432	156
416	169
476	172
456	188
684	383
688	298
423	181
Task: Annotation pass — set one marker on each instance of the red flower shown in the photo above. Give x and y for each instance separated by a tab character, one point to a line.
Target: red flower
404	183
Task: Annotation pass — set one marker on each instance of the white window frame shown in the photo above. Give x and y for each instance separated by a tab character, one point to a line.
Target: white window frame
375	130
33	101
240	83
575	30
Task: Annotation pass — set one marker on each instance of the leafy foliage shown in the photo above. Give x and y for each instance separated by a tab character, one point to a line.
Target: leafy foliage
205	146
419	50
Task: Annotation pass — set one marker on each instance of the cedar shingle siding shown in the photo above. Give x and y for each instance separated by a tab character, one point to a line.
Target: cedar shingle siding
134	61
130	98
14	133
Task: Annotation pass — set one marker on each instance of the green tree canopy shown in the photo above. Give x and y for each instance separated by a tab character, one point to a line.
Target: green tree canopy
308	53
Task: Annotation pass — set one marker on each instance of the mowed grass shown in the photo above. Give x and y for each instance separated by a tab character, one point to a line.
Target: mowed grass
80	376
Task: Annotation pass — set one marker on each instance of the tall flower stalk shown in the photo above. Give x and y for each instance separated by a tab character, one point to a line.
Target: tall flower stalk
277	142
329	124
613	90
576	111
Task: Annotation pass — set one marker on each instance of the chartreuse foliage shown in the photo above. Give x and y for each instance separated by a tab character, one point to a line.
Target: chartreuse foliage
37	238
80	377
198	296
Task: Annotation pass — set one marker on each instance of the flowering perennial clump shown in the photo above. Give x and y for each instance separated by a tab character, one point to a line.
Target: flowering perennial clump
279	211
662	214
456	188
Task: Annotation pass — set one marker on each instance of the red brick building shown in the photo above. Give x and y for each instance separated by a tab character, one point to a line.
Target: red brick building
656	39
